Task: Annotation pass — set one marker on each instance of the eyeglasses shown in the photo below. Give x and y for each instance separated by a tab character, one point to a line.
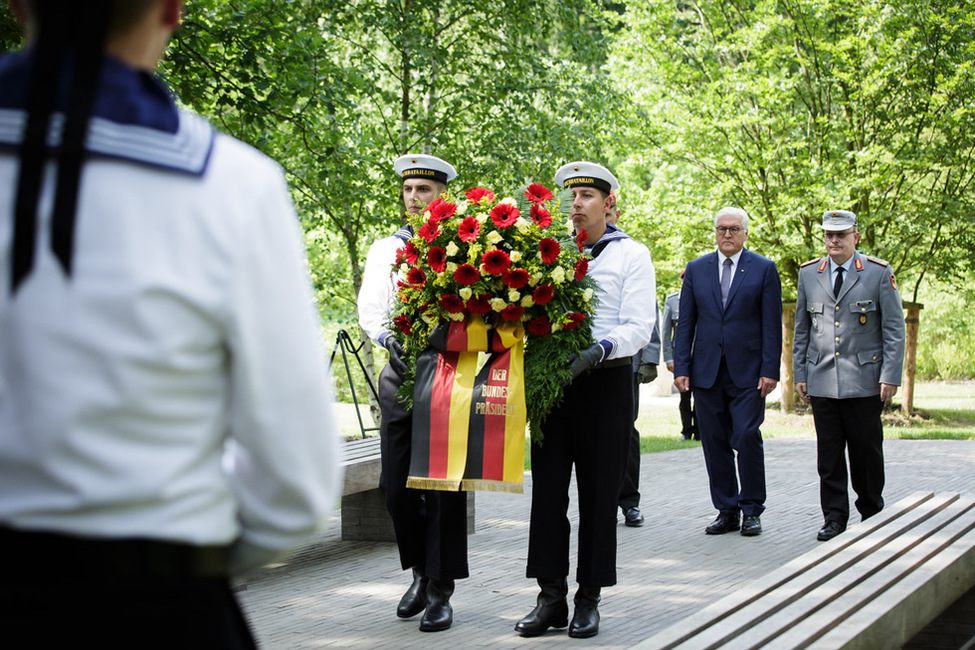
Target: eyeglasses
838	235
723	230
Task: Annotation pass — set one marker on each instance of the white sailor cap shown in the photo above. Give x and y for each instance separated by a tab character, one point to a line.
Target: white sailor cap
836	220
586	174
419	165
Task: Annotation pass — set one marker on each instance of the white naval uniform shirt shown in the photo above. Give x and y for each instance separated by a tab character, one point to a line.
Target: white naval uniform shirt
627	289
377	295
175	386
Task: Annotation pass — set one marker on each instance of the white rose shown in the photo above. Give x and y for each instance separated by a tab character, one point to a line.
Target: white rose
452	268
456	317
515	256
528	302
494	237
536	278
513	296
509	201
497	304
452	249
462	208
558	275
522	225
466	293
587	295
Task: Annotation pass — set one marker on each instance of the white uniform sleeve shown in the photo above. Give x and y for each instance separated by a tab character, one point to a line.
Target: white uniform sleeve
284	455
638	303
376	293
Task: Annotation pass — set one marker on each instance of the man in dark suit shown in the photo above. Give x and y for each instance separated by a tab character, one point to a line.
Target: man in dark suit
727	348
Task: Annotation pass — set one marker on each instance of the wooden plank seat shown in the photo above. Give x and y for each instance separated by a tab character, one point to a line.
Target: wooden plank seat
364	514
874	586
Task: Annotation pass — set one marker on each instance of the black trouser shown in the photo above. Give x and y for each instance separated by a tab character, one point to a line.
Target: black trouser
60	591
630	487
589	430
852	425
688	421
430	525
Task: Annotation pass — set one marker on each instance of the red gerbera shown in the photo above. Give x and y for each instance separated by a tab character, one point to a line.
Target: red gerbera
478	305
466	275
400	256
574	320
469	229
504	214
543	294
582	266
437	259
452	303
411	253
475	194
442	211
516	278
403	323
512	312
540	216
433	204
416	277
429	231
539	326
537	193
495	261
581	238
549	249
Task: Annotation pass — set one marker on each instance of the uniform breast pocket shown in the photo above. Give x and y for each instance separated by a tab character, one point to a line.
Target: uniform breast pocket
815	311
864	315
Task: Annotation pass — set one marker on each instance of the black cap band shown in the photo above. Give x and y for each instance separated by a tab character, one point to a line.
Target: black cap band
429	174
588	181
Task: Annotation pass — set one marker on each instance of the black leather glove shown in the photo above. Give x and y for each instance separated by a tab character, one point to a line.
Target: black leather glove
583	360
647	372
396	354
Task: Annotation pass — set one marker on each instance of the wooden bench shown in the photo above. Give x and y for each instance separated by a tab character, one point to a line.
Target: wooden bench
364	514
874	586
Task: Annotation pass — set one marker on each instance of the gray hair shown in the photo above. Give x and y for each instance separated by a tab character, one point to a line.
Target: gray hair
733	212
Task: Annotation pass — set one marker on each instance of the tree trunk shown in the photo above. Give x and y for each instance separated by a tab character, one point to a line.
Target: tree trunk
912	320
787	384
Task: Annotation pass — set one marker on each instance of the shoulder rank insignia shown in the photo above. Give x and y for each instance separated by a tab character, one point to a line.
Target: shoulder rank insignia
858	263
805	264
877	261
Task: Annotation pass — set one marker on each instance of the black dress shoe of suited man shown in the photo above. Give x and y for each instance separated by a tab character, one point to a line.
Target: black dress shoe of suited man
439	614
830	530
724	523
632	517
751	525
551	609
585	619
414	600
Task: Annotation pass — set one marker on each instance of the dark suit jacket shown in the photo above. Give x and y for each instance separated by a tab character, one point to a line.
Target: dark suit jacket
748	332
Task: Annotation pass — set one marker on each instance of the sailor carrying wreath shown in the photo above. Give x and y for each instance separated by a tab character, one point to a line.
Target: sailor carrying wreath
491	298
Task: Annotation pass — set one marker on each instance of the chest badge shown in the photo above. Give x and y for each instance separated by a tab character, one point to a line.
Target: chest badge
863	319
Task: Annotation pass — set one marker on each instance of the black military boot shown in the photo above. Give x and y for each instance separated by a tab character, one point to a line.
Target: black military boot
414	600
439	614
551	611
585	620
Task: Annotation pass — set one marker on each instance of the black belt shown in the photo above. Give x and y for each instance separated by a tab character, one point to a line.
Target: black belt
112	557
614	363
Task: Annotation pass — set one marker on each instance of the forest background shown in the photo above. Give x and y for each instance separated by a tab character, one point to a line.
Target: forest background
785	108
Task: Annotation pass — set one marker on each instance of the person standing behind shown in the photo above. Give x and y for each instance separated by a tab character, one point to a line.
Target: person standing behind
165	409
430	526
688	420
644	371
731	310
847	358
591	427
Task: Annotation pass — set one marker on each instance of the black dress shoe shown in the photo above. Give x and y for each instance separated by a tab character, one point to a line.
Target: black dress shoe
439	614
632	517
751	525
830	530
414	600
585	619
725	523
551	609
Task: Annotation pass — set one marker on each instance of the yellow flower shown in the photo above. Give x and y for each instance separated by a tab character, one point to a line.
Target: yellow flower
528	302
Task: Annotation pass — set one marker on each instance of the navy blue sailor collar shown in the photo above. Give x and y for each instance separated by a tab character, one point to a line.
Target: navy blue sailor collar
612	234
135	118
405	233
